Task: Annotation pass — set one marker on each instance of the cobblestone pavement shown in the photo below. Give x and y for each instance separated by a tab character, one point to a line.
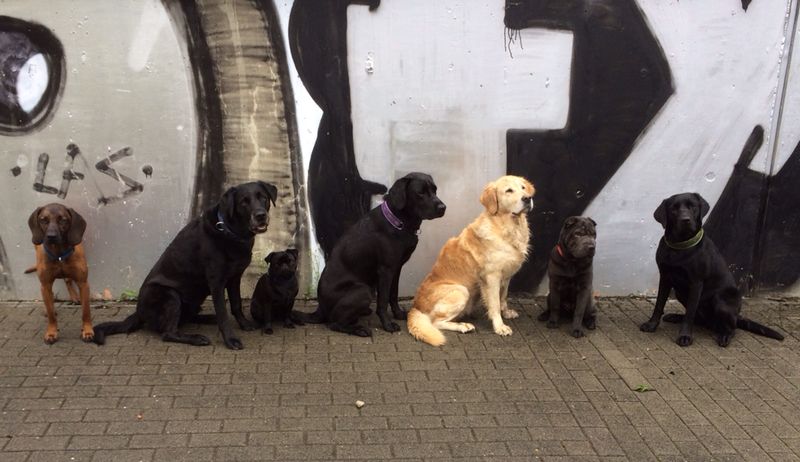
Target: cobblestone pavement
537	395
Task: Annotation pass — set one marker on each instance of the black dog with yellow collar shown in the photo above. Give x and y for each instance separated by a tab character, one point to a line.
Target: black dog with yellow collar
689	262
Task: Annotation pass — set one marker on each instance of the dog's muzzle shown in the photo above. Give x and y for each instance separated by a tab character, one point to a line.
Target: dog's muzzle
527	204
259	222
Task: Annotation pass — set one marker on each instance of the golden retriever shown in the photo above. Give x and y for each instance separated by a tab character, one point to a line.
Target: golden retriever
479	262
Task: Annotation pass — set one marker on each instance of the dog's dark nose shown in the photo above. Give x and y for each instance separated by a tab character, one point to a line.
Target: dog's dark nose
52	237
260	216
440	207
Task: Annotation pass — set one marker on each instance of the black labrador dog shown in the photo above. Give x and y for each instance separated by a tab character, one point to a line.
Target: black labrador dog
689	262
570	274
371	254
273	297
206	257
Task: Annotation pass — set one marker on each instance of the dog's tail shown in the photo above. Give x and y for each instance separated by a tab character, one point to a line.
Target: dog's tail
757	328
421	328
741	323
317	317
130	324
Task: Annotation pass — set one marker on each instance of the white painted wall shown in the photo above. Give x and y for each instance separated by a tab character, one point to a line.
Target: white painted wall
127	84
434	88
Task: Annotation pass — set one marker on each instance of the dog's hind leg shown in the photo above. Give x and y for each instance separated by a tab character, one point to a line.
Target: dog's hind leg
453	301
73	292
345	314
170	317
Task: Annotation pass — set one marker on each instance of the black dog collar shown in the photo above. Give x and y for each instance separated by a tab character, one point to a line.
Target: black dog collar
223	228
62	257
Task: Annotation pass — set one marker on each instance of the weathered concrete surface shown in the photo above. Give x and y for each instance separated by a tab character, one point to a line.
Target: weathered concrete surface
537	395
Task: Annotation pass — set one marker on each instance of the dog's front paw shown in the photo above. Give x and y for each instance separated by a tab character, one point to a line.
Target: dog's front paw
87	334
199	340
391	327
465	327
245	324
503	330
685	340
551	324
232	342
724	340
267	331
508	313
649	326
362	331
577	333
590	323
50	337
543	316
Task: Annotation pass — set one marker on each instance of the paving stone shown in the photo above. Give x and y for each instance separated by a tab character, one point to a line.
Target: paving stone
537	395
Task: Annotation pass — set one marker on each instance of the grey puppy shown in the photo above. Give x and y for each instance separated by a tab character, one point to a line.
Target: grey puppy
570	273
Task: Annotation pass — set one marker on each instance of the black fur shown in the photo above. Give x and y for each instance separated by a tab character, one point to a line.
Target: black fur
369	257
570	273
702	281
204	258
273	297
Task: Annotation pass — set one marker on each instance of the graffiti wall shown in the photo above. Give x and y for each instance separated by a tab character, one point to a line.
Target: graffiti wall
140	113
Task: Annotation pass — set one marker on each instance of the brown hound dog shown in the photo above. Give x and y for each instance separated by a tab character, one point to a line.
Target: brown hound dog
57	234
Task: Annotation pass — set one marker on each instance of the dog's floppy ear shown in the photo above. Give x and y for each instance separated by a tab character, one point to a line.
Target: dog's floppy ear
77	226
704	207
396	197
571	221
292	252
227	204
489	198
594	223
269	257
36	230
661	213
271	189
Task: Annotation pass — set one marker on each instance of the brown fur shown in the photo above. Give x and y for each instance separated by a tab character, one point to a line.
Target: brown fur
67	226
478	263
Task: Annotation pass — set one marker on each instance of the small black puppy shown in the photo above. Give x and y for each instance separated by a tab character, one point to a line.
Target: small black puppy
273	297
370	255
570	273
689	262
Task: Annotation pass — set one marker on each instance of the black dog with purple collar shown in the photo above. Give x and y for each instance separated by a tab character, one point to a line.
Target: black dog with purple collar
370	256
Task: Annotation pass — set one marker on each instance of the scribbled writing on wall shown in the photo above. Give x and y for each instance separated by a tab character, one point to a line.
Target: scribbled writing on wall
69	174
338	196
32	73
620	79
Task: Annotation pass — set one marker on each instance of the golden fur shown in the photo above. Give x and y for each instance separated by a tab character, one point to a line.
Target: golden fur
479	262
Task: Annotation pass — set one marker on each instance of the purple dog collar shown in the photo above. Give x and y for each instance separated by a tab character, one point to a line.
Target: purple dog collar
390	217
